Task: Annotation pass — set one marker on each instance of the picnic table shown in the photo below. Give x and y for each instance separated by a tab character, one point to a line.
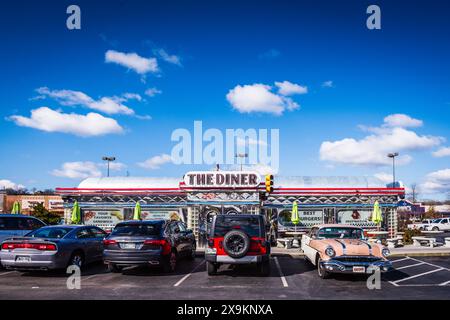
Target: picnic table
428	238
297	236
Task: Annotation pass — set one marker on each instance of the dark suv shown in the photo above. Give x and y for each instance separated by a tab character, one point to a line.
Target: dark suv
238	239
148	243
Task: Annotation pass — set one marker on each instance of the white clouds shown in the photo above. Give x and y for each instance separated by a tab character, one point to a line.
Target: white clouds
437	181
46	119
259	98
78	170
372	149
108	105
383	176
132	61
270	54
151	92
8	184
328	84
156	162
287	88
85	169
442	152
402	120
170	58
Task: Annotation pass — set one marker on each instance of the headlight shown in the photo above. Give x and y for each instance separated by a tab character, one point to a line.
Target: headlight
385	252
330	252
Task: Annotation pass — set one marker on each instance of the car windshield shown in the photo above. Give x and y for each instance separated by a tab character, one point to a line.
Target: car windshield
50	232
340	233
250	225
137	230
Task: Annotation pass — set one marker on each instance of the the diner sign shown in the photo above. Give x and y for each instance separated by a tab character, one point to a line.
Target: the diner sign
222	179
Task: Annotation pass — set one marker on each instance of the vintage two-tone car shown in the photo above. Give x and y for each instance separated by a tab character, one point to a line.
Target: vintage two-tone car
337	248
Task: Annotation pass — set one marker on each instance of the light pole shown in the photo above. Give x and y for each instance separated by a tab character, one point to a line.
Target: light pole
393	155
108	159
241	155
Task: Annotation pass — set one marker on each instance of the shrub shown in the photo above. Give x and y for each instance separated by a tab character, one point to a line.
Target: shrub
407	236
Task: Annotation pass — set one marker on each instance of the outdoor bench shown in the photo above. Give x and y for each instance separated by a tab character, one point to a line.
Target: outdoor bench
285	242
447	242
394	242
431	242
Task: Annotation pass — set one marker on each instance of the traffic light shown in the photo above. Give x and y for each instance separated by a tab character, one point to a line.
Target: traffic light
269	183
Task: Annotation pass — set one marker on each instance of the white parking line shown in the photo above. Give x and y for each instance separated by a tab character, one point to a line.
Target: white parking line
411	265
431	264
188	275
283	279
5	273
444	283
416	276
398	260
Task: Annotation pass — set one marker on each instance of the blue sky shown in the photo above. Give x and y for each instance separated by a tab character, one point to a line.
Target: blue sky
203	51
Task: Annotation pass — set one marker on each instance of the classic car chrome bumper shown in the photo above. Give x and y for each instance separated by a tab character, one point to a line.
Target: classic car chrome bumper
336	266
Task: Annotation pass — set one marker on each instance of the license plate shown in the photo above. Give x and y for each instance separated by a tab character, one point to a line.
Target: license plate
23	259
359	269
128	245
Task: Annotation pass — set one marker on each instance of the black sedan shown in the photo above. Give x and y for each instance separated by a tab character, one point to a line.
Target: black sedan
148	243
53	247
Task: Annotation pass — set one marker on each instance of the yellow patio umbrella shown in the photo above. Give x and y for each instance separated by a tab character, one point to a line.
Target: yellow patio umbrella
137	211
16	208
295	219
376	213
76	214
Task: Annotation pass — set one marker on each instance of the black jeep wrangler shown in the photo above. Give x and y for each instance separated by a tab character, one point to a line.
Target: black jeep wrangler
238	239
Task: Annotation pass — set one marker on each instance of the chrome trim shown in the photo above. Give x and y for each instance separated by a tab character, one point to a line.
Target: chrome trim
344	247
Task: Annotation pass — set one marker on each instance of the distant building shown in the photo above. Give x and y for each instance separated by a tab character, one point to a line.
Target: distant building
53	203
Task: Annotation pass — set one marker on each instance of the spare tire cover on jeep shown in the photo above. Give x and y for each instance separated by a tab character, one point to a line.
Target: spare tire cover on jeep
236	243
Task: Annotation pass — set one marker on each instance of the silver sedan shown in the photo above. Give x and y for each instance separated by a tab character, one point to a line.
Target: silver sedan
53	247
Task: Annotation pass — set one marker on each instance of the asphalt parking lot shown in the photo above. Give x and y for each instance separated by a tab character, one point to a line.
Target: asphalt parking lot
290	278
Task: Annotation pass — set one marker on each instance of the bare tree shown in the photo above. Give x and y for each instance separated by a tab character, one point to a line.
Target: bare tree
414	194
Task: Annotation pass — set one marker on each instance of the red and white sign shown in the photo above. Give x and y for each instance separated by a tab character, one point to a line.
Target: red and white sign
222	179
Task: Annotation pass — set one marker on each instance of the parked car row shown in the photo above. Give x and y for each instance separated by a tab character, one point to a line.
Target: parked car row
232	239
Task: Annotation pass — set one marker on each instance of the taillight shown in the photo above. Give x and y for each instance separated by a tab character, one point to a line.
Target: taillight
260	245
166	247
108	242
36	246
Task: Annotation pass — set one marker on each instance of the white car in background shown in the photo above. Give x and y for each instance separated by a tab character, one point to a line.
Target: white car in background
442	224
421	225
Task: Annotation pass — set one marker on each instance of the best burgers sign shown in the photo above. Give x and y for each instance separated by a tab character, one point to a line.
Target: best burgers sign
222	179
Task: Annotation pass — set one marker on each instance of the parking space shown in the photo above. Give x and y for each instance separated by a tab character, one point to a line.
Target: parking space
425	271
291	277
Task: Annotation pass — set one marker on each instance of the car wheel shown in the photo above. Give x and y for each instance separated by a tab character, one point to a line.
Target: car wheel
170	262
192	254
435	229
76	259
211	268
114	268
264	268
320	271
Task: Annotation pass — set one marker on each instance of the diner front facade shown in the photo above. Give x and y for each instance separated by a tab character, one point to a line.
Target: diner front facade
199	196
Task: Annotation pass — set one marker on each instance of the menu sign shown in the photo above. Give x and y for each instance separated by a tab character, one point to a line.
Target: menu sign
360	218
225	179
105	219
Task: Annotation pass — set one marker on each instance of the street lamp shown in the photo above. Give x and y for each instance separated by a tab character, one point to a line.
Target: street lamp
241	155
393	155
108	159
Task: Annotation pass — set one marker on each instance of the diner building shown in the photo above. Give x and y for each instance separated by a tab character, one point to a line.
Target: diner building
199	196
